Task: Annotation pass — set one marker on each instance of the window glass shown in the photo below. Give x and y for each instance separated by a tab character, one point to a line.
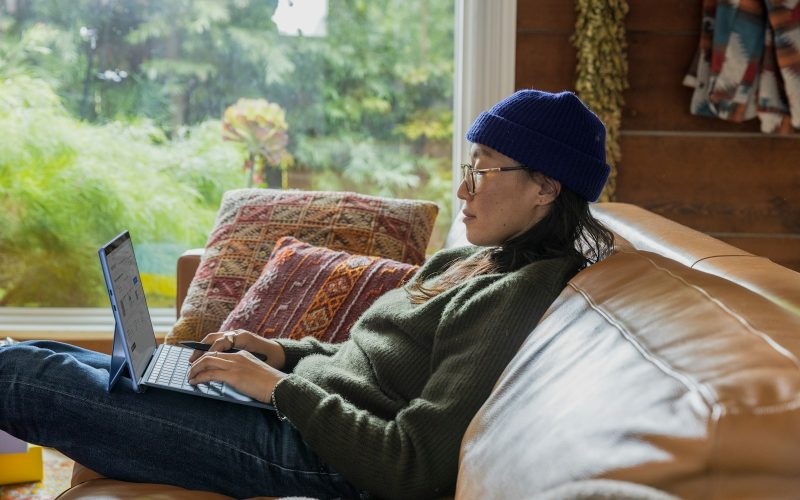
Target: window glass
112	115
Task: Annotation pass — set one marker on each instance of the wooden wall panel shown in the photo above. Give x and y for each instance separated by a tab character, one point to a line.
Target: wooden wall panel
545	15
784	250
754	189
674	16
549	62
545	56
723	178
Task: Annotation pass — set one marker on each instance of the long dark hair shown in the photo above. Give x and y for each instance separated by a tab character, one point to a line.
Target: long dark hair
568	229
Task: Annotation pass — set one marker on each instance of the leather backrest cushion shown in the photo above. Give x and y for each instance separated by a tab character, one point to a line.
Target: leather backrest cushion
760	275
644	370
648	231
644	230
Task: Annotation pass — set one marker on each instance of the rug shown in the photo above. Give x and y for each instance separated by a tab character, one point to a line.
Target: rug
57	476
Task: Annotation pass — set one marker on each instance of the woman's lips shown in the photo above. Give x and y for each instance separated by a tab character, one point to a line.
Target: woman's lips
467	216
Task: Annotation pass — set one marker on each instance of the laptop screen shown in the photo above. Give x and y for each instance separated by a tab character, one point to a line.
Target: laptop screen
130	302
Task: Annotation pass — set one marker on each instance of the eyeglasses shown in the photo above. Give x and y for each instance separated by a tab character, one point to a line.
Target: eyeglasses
468	174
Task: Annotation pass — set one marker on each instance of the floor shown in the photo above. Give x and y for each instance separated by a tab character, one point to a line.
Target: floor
57	474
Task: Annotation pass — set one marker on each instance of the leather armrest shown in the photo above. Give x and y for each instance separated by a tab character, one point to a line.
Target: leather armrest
187	267
81	474
89	484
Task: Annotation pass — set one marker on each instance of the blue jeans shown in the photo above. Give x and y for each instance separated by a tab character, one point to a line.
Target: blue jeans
55	394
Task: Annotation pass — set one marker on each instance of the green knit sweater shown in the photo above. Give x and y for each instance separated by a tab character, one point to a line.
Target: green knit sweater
388	408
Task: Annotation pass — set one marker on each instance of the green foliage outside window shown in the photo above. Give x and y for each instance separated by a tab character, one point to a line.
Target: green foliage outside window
68	186
117	125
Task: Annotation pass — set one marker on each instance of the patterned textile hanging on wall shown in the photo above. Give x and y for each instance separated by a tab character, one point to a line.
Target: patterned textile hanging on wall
602	71
748	63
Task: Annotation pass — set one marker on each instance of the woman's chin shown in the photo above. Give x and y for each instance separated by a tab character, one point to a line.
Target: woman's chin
478	240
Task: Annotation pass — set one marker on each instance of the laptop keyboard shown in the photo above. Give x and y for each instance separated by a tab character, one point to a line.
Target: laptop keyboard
171	369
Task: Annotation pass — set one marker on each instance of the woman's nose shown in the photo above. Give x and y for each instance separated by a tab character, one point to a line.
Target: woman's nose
462	192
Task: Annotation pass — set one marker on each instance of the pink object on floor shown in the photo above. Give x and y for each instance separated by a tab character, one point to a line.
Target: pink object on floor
10	444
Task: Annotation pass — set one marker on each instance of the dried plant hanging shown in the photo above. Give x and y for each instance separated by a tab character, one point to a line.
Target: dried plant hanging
602	70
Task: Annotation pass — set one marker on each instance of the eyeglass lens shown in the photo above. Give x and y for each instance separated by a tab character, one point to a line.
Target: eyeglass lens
469	179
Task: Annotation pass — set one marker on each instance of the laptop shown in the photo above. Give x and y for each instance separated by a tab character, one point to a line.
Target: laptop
135	350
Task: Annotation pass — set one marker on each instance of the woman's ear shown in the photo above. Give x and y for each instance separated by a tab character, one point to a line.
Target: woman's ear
549	190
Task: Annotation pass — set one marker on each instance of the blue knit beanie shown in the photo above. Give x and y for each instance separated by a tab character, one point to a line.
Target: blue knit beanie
555	134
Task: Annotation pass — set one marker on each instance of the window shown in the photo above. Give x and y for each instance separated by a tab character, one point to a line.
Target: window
112	117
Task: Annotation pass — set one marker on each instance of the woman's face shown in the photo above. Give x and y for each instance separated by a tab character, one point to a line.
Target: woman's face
505	204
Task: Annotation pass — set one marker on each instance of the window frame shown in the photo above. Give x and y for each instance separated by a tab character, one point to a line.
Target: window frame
486	36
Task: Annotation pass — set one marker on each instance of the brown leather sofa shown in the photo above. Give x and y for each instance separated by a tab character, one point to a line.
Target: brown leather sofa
670	368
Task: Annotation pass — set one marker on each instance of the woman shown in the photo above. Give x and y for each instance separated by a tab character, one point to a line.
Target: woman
384	412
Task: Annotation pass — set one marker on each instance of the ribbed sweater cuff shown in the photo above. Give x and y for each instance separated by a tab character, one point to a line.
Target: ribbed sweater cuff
294	351
297	399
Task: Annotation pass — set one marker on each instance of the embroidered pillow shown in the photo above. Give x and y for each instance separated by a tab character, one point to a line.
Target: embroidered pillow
307	290
250	221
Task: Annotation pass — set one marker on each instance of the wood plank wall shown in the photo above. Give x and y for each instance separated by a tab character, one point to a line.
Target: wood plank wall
722	178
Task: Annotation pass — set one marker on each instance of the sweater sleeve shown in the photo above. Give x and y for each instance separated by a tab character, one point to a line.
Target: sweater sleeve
415	454
295	350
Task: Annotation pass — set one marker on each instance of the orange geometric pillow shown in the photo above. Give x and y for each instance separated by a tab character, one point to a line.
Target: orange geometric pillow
307	290
250	221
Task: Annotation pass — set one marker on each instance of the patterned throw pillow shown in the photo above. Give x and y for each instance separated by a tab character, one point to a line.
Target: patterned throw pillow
307	290
250	221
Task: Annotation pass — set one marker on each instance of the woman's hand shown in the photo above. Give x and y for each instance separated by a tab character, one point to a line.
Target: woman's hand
246	341
241	370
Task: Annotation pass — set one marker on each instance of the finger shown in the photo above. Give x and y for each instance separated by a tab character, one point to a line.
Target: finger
242	338
222	356
208	339
211	337
194	356
221	344
207	376
210	361
220	367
